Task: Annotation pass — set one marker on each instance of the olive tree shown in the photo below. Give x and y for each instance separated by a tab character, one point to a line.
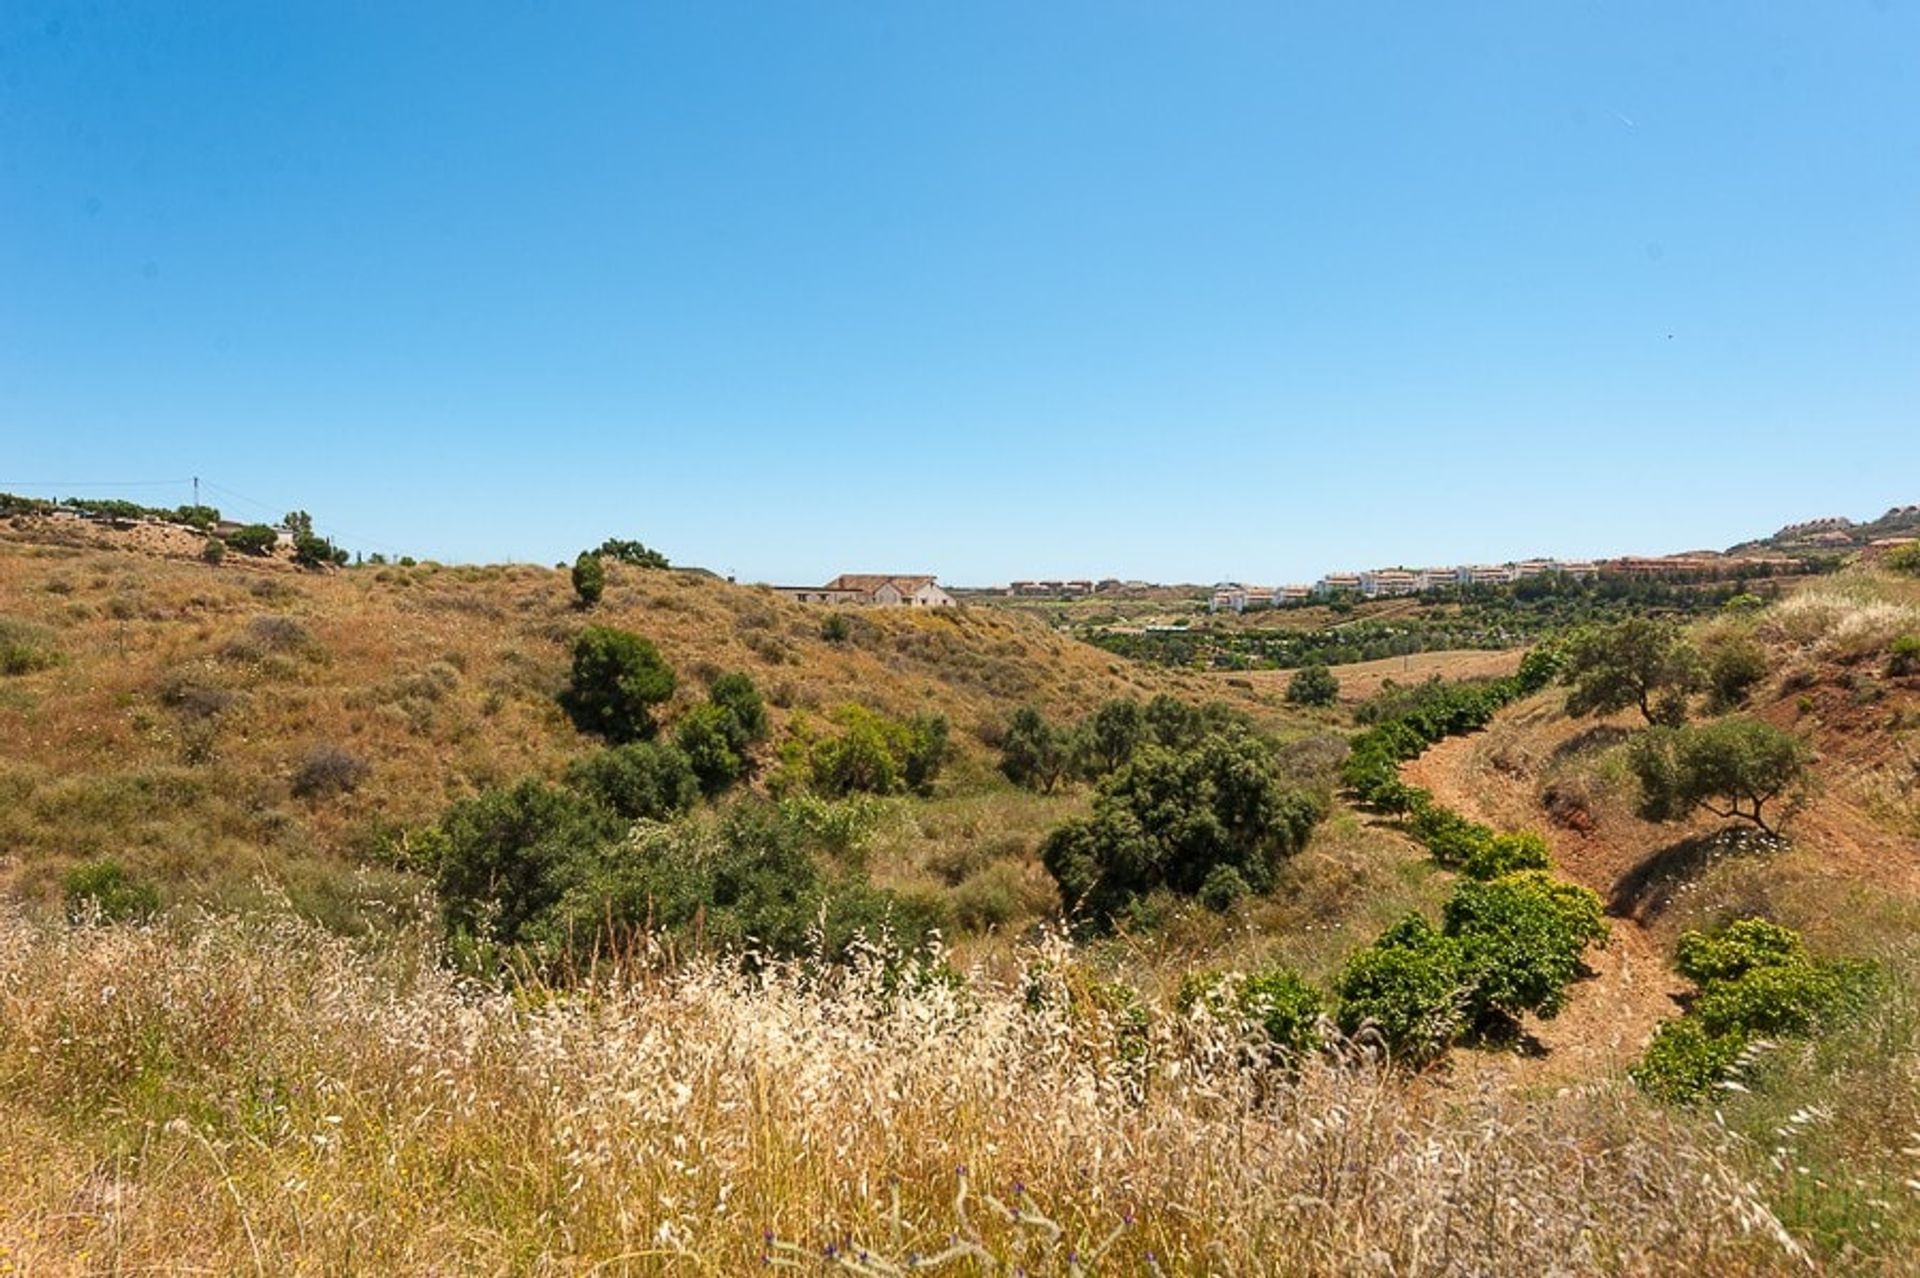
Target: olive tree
1732	768
1638	663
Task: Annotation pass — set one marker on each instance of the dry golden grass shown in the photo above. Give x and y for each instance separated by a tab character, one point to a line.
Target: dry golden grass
235	1096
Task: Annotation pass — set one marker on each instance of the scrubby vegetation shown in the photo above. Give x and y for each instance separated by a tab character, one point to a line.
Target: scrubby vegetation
715	881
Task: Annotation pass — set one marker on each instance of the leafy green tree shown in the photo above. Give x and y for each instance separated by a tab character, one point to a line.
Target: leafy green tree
1313	685
1732	768
631	552
1114	732
1173	723
703	736
589	579
1409	987
253	539
1032	753
618	677
926	750
1639	663
746	711
298	522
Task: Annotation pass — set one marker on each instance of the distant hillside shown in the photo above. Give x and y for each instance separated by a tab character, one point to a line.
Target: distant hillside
1836	534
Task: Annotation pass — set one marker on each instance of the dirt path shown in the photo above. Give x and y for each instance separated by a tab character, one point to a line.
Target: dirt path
1608	1018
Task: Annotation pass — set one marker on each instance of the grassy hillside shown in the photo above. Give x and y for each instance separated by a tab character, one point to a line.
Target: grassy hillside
172	706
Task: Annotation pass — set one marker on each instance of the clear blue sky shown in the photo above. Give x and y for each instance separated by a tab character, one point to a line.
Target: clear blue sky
1179	291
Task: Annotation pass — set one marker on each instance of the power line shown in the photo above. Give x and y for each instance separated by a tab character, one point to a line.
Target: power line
270	507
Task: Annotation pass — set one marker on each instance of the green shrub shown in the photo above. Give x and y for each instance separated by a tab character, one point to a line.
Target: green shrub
310	551
1734	667
104	890
26	647
1409	987
1505	854
639	781
1736	949
1285	1007
1903	658
1756	978
1905	559
1684	1061
213	551
703	737
1521	938
508	856
1032	752
618	677
870	754
1774	998
988	898
1313	685
746	883
589	579
1222	889
1169	819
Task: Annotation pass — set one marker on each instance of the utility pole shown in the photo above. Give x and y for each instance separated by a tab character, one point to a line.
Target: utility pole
196	490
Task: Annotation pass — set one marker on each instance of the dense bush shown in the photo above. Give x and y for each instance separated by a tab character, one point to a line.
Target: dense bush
213	551
1508	946
640	781
509	855
618	677
1684	1061
1170	818
1313	685
1755	979
253	539
589	579
310	551
1905	559
1276	1003
1521	939
1734	666
103	890
1732	768
746	882
1409	987
870	753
